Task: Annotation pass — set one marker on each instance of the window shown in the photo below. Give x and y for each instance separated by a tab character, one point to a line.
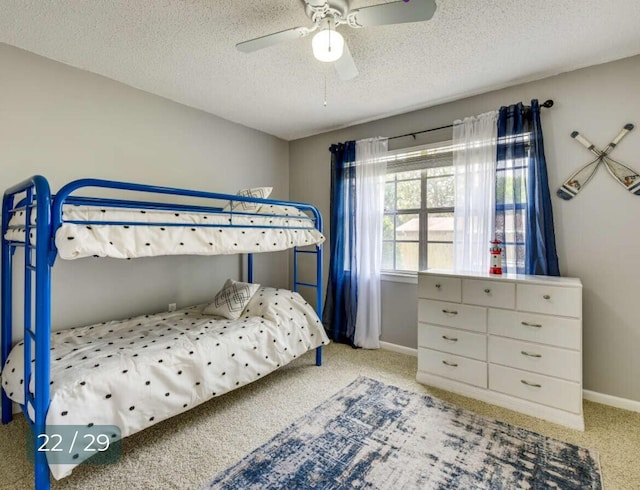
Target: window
418	215
511	202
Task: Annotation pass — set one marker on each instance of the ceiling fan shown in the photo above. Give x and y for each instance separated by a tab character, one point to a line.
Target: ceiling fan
328	44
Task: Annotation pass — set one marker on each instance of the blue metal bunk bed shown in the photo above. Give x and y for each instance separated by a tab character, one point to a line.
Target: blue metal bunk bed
34	194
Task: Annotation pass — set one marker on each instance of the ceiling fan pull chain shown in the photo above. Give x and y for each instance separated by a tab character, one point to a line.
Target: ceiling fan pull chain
325	90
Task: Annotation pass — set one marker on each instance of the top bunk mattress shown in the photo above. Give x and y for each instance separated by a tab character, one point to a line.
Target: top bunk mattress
124	233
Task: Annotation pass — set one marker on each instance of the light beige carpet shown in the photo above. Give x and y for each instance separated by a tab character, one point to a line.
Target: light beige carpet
187	451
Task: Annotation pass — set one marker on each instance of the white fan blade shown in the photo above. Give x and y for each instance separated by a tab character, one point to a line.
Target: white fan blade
271	39
393	13
345	66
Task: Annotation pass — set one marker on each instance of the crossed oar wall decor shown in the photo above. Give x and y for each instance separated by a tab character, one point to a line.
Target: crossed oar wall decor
627	177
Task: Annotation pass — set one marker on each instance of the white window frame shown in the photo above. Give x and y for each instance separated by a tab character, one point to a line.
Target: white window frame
426	152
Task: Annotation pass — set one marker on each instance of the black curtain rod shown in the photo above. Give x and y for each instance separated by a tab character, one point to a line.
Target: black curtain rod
546	104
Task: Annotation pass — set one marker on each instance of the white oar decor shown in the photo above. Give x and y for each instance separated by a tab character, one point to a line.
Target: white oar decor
626	176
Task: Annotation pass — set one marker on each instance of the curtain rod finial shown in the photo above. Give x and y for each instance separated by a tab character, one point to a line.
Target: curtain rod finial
547	103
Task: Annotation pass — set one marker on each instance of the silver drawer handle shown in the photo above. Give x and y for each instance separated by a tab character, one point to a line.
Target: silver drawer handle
537	325
525	353
452	339
535	385
450	312
487	290
452	364
546	296
438	286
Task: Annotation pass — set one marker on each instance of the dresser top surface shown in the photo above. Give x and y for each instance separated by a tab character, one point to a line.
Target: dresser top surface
520	278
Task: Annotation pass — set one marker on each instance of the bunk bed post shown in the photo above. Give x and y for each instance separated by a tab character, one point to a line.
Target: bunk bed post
42	326
319	296
319	282
250	268
7	268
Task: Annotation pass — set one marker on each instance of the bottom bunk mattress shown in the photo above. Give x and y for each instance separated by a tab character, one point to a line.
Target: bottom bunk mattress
139	371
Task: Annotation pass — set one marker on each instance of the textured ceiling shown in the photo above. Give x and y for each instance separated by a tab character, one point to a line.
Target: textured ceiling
184	50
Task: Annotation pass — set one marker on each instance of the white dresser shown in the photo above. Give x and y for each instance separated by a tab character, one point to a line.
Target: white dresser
510	340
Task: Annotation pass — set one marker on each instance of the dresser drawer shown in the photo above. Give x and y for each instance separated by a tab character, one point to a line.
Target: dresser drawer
552	330
542	359
452	315
552	300
452	341
453	367
439	287
489	293
552	392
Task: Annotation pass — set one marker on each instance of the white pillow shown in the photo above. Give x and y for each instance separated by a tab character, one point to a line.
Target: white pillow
259	192
232	299
274	209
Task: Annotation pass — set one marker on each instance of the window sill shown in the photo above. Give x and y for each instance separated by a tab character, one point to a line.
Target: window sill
404	277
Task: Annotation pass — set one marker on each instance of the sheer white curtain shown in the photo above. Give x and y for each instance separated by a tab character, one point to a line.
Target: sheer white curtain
474	165
370	177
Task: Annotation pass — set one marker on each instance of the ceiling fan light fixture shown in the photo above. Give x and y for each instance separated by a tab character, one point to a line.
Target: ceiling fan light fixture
327	45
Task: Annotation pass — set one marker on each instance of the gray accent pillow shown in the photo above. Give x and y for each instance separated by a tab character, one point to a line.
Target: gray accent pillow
231	300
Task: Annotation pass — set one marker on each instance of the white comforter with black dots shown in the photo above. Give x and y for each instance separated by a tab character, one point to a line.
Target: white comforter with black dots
273	228
136	372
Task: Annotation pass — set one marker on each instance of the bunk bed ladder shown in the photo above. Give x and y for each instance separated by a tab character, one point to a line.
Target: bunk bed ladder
317	251
7	336
36	311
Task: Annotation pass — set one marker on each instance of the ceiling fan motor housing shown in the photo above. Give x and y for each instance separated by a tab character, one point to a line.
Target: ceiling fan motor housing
317	10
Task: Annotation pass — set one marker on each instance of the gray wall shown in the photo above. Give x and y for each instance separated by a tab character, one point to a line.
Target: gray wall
66	124
598	232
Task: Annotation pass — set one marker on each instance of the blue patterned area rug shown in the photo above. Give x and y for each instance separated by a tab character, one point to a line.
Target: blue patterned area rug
375	436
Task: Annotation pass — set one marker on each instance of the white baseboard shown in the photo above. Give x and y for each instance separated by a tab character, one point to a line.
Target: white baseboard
612	401
399	348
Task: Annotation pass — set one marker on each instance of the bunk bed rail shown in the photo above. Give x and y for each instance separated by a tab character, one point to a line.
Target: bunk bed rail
64	197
